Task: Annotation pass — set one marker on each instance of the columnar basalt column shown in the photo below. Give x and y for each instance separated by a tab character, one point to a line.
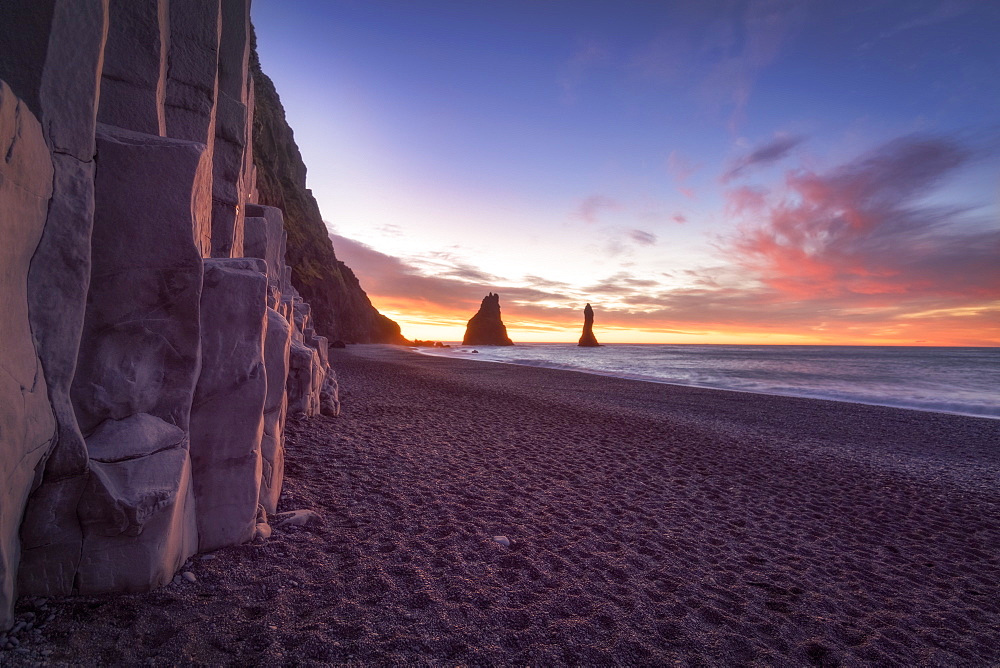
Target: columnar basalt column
192	85
232	131
134	79
266	238
27	427
276	351
227	421
139	359
54	50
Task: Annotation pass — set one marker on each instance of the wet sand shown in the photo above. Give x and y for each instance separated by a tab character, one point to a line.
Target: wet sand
650	525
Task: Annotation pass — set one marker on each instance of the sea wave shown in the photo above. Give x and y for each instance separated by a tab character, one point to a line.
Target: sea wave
961	381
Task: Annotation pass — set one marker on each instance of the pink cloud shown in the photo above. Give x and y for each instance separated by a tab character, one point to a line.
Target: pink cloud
745	201
859	233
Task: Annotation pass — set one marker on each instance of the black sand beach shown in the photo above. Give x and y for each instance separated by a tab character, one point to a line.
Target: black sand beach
650	525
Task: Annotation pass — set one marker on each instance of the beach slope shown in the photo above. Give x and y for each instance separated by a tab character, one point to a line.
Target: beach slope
647	524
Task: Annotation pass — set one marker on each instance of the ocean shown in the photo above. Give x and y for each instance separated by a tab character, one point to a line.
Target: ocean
949	380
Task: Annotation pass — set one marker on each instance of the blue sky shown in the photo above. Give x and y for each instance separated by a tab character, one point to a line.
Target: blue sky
699	171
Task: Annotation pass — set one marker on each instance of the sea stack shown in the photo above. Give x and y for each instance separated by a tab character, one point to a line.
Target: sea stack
588	340
486	328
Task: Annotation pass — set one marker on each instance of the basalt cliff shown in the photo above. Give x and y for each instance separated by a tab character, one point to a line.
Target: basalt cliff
154	333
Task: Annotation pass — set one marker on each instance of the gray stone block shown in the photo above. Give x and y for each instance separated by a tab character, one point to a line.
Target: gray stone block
227	419
140	350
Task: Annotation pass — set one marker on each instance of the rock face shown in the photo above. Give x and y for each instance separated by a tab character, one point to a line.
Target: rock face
225	444
588	340
27	426
144	386
277	343
341	308
486	328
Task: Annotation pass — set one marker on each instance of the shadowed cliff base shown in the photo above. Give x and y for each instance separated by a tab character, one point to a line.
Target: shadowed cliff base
649	524
486	328
341	309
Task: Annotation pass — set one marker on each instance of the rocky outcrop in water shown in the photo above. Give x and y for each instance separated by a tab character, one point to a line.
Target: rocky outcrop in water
149	317
587	339
486	328
341	309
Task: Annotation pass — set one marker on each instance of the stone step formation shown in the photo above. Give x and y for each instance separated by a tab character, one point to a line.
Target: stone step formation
152	341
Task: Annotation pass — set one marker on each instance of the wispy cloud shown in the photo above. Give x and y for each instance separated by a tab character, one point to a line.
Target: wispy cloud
745	200
436	283
944	11
642	237
391	230
590	208
766	154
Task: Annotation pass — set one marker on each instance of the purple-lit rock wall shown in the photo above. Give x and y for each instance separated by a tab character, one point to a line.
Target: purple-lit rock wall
144	387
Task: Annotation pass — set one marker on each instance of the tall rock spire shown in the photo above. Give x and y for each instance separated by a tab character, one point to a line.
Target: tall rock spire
486	328
588	340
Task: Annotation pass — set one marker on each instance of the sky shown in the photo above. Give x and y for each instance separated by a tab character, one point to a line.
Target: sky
747	171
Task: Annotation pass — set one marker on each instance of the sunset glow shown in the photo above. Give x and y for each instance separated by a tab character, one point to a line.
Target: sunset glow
699	172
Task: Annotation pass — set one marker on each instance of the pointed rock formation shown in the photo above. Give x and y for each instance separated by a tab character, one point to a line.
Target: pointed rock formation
486	328
588	340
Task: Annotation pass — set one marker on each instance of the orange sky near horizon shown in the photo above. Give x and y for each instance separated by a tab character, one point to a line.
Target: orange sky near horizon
768	293
959	327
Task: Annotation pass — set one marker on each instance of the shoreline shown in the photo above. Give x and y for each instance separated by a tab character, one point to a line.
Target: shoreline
431	352
650	524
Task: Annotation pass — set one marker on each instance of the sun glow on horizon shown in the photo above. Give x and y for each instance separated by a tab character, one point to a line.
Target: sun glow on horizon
449	328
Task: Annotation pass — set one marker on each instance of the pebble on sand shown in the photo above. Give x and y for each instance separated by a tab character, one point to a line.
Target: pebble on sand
189	576
503	540
298	518
263	530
